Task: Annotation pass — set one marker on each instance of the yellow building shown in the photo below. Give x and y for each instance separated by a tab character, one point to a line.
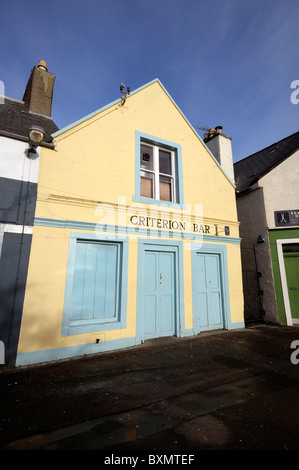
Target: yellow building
135	235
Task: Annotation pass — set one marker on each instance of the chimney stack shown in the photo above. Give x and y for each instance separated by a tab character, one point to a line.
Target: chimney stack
39	90
221	147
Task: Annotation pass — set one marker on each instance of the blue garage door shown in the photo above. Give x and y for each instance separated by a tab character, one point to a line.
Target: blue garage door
159	294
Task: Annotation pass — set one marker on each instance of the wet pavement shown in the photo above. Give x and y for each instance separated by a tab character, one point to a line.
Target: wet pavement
224	390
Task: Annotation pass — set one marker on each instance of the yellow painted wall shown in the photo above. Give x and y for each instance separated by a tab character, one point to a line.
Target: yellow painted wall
44	298
94	162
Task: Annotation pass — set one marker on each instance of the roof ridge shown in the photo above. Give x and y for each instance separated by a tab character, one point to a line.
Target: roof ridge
13	99
267	147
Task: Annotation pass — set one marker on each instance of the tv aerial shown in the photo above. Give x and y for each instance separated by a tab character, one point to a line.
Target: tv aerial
202	128
125	93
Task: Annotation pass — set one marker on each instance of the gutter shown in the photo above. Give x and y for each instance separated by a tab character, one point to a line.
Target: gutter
14	136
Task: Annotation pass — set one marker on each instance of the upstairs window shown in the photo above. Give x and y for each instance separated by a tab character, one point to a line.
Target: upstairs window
157	173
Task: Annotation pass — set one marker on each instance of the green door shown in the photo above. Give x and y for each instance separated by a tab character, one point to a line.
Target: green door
291	262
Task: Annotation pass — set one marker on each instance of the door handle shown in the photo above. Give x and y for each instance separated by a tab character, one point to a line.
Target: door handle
294	288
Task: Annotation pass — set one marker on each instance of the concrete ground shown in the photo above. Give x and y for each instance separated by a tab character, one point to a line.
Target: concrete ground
224	390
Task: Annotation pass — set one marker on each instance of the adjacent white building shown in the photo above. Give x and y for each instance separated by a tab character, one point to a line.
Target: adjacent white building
19	169
268	210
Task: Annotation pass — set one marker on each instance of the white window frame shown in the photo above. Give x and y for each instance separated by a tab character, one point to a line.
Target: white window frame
156	171
142	137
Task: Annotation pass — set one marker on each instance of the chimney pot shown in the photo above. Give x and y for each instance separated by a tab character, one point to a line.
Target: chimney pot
42	65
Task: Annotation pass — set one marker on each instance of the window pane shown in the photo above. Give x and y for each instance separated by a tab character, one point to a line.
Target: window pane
165	189
165	162
146	185
146	157
290	248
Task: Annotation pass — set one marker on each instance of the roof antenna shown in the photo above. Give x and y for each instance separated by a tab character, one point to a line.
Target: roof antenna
125	93
202	128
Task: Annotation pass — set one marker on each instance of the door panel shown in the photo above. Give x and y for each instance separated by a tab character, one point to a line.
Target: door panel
150	313
159	294
213	272
215	309
166	314
291	261
202	310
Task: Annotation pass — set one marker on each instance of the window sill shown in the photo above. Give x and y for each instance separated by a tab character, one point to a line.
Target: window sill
79	328
158	202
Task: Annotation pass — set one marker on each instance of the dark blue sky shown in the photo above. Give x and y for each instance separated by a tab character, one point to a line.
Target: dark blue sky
225	62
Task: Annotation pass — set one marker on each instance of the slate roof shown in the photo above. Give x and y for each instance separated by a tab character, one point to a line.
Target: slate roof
15	118
249	170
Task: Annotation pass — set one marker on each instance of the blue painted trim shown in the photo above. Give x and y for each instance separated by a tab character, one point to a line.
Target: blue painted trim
74	328
236	325
161	245
147	200
85	118
221	250
47	355
94	113
179	169
80	225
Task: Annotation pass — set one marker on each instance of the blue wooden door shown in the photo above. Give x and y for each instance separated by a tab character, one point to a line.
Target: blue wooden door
159	294
208	305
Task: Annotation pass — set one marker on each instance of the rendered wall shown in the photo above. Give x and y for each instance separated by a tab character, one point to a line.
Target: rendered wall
252	216
88	185
284	178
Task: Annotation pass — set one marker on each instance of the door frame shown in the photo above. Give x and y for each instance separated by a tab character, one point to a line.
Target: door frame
177	248
283	277
210	248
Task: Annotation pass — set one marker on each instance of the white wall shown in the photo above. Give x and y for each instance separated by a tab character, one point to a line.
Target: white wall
14	161
281	188
221	147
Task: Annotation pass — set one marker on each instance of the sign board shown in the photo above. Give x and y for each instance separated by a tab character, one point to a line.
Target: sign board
286	218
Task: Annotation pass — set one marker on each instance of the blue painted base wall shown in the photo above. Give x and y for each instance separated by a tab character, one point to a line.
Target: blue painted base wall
29	358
